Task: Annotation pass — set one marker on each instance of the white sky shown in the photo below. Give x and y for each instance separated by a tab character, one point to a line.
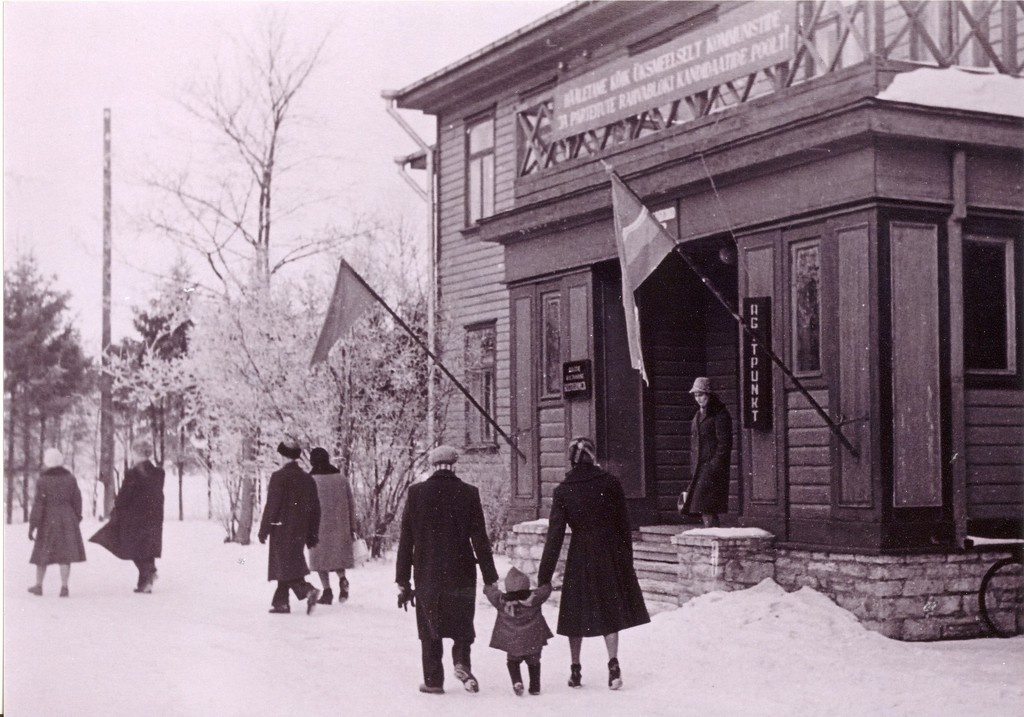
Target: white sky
64	63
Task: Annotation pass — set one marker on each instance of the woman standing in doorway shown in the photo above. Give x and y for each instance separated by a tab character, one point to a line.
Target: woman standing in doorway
710	450
600	592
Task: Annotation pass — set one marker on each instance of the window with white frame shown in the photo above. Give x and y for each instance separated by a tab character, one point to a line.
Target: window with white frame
479	169
990	306
480	361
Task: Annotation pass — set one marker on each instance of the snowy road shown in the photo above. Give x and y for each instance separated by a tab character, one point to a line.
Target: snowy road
203	644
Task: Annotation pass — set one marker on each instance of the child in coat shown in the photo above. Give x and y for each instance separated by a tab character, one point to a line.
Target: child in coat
519	628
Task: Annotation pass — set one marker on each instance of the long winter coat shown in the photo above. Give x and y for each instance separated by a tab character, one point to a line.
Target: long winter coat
291	518
337	521
600	591
56	513
443	539
520	628
710	446
135	529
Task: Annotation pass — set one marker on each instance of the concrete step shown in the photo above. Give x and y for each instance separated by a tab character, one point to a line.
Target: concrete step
661	590
656	570
661	533
655	552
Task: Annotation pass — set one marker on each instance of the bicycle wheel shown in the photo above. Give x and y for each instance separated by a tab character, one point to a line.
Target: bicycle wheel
1001	598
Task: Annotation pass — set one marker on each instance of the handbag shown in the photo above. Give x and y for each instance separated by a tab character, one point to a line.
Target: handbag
360	551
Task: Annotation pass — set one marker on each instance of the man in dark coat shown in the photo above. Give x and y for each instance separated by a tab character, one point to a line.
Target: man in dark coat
135	529
291	519
711	447
443	538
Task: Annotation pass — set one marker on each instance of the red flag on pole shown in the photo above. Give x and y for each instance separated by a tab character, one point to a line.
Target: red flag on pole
643	244
351	299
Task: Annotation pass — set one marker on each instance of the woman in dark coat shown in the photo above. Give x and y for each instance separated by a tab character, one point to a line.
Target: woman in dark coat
337	523
600	592
53	523
291	519
711	446
135	529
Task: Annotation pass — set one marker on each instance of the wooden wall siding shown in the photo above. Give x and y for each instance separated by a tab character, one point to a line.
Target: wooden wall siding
855	372
505	161
808	451
551	422
471	289
917	459
995	454
995	179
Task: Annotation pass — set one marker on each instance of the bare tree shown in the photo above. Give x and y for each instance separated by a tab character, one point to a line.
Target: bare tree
225	210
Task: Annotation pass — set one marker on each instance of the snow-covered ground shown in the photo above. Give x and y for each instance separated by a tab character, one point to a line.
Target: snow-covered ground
204	644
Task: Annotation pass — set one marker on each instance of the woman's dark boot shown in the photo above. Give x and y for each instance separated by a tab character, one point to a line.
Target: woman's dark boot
326	597
517	676
343	590
575	675
534	678
614	674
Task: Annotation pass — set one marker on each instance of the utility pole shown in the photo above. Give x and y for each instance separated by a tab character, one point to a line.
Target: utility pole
106	381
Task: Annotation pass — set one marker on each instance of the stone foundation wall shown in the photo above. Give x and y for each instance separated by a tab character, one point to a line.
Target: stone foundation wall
906	597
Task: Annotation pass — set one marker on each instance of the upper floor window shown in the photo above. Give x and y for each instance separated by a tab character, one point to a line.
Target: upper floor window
990	306
805	280
480	362
479	169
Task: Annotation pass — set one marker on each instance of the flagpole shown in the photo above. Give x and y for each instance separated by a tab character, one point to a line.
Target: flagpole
677	247
444	369
833	426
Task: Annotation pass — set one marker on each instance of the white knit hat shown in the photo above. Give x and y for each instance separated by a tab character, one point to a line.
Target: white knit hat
52	458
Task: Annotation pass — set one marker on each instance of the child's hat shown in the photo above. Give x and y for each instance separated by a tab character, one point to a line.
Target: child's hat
516	580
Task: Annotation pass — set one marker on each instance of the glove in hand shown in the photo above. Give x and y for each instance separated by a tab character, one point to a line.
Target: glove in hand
406	597
263	539
543	592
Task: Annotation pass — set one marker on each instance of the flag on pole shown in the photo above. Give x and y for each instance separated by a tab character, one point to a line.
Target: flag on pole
643	244
351	299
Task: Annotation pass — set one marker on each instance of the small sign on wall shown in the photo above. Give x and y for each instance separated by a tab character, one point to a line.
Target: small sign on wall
757	366
576	379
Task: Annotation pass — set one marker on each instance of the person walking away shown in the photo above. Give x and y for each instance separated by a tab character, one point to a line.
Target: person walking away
520	629
54	522
710	448
291	519
135	529
337	526
443	538
600	592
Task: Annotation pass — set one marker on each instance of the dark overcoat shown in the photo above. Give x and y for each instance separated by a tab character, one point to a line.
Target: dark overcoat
519	628
337	521
56	513
136	526
291	518
600	590
710	447
443	538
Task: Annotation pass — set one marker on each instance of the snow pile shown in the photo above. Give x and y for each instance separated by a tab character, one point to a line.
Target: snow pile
203	644
955	88
730	533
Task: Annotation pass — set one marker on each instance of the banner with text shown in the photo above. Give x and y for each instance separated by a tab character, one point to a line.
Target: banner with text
750	38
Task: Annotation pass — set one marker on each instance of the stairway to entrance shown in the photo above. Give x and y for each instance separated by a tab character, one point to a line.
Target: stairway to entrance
657	566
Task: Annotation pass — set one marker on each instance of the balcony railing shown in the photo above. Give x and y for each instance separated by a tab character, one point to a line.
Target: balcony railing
830	35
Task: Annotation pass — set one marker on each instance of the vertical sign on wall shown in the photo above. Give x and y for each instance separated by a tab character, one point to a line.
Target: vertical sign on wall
757	367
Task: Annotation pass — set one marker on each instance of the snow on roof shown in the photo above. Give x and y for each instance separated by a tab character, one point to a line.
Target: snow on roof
955	88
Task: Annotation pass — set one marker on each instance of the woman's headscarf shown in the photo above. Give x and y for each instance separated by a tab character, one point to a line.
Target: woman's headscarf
582	450
320	459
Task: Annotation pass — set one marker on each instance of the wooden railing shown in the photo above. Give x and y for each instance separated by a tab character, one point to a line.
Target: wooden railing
831	35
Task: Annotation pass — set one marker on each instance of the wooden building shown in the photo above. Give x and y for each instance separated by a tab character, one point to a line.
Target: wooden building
784	145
